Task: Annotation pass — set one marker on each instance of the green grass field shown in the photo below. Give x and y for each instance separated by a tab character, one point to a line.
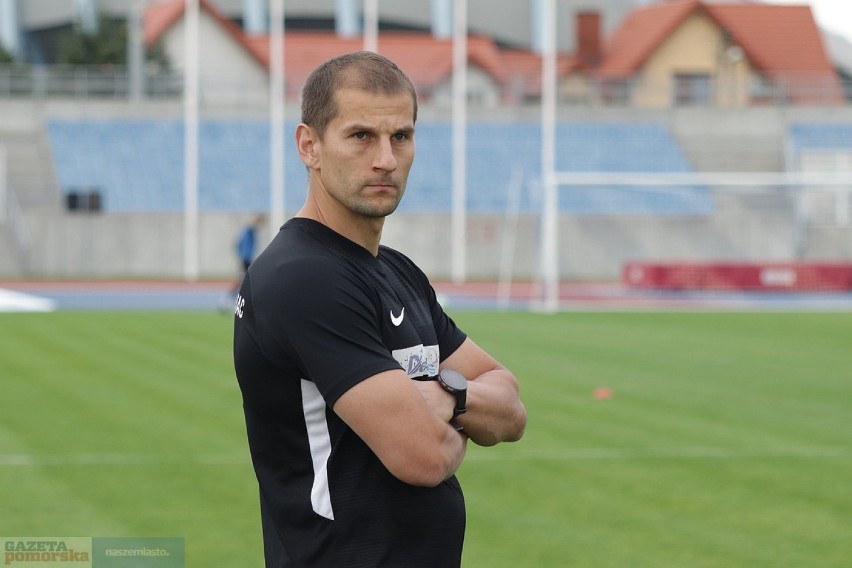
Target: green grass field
727	443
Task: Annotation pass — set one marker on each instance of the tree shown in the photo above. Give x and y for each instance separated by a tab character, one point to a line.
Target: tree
5	56
108	44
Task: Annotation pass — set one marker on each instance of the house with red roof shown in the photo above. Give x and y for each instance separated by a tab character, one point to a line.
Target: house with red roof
671	53
235	65
227	66
730	54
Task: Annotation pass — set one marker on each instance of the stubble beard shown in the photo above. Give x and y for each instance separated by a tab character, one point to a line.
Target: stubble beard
372	208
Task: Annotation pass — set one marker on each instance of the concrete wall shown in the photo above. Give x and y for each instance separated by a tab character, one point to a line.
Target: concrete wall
84	246
226	70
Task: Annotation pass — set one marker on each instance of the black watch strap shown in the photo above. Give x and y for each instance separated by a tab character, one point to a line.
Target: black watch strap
455	384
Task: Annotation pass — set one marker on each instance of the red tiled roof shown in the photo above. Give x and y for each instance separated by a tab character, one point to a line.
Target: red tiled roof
640	34
763	31
425	59
159	17
766	32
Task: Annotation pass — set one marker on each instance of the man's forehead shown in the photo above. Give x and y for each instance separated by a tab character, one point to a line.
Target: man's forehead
358	104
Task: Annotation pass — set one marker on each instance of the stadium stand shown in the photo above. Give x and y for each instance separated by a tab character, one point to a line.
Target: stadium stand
137	166
815	136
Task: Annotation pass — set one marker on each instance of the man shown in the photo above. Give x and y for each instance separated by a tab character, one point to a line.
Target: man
245	248
339	345
247	242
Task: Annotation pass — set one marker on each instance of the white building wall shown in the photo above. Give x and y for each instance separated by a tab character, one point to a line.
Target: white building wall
481	89
227	71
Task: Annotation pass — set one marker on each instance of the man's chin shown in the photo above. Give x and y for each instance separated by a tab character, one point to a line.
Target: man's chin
377	208
379	212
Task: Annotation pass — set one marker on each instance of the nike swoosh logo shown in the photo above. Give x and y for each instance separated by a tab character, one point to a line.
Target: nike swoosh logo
397	320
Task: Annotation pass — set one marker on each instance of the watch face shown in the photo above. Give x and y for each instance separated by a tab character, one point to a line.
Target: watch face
453	379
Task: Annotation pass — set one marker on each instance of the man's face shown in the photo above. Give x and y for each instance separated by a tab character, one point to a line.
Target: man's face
367	152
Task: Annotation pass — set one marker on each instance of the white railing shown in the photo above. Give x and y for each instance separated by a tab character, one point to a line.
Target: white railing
113	82
83	82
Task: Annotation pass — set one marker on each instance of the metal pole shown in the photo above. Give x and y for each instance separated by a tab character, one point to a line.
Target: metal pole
371	25
10	33
716	179
550	248
135	51
4	188
459	211
276	117
190	128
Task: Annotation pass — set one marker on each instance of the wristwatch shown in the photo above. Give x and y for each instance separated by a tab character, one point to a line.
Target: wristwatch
455	384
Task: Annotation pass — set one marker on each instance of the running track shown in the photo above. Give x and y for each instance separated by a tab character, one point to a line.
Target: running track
178	295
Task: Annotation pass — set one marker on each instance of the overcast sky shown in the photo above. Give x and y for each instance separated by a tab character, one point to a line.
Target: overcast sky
832	15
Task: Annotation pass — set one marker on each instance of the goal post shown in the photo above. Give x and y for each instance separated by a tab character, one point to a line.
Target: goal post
690	216
716	179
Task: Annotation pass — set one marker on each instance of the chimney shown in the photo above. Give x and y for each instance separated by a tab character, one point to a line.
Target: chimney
589	50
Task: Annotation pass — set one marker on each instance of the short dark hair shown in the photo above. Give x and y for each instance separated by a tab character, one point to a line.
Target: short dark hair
363	70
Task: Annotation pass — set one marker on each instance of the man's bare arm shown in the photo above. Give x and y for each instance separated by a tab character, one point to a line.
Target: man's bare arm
394	419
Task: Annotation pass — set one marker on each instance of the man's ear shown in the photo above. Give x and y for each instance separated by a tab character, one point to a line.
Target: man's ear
306	143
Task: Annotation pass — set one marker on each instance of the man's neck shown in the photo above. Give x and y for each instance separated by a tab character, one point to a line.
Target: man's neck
362	231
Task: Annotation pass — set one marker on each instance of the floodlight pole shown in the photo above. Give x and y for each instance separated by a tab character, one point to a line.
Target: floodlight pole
371	25
190	149
550	204
135	51
459	205
4	186
277	189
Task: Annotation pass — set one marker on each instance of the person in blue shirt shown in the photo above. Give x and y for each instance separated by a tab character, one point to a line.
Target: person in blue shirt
246	249
247	242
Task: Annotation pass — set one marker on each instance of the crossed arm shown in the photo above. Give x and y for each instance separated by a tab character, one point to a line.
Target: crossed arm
406	423
495	412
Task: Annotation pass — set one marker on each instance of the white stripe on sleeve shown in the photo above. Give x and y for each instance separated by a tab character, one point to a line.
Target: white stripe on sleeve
313	405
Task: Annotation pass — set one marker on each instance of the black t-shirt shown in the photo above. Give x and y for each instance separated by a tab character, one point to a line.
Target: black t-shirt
316	315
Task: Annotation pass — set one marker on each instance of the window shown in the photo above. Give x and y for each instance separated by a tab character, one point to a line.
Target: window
692	89
616	91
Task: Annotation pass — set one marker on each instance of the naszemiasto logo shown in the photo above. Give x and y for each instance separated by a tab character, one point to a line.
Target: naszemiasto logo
419	360
23	551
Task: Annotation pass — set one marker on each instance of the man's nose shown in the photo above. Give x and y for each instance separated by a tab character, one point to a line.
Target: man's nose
385	159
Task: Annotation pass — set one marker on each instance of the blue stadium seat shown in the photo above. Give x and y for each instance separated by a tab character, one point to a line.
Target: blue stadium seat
815	136
138	166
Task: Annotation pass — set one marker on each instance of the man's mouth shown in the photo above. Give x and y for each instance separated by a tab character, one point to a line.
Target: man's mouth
382	185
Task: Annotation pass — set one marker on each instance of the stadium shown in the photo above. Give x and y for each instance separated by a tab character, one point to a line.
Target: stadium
642	206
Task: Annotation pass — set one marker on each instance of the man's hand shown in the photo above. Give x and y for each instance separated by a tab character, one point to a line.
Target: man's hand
495	412
440	401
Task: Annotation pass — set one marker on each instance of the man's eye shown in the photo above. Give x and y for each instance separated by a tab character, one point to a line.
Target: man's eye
400	136
360	135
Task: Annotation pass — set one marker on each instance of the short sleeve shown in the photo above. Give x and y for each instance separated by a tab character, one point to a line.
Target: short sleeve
322	318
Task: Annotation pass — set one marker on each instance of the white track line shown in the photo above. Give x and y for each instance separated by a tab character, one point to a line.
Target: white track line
122	459
567	454
580	454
